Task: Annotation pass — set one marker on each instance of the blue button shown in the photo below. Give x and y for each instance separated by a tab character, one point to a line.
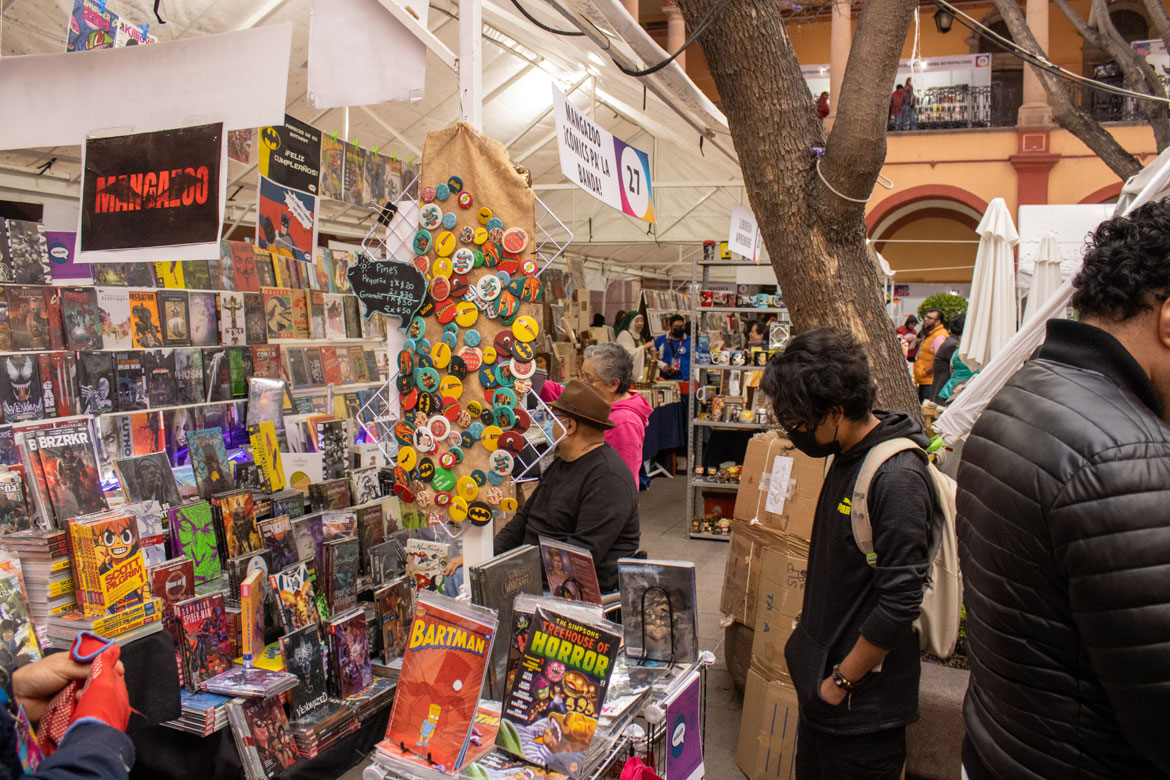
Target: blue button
442	191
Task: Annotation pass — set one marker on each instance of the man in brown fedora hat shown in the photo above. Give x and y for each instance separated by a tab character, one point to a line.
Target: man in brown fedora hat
586	496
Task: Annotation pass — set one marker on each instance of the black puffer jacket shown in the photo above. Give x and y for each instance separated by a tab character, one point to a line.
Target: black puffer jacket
1064	537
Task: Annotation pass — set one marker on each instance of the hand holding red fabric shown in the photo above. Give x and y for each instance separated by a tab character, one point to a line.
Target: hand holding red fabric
105	697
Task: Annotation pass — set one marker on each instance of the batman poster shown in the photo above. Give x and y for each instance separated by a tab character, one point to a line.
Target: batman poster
152	190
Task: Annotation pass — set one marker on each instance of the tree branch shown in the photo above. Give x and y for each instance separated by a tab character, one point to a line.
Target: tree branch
1068	114
1139	76
1085	31
856	149
1160	19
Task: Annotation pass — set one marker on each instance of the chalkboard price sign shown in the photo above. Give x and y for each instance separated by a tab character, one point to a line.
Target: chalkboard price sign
394	288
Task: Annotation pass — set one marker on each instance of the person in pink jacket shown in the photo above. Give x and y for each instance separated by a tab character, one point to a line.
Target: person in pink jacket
608	369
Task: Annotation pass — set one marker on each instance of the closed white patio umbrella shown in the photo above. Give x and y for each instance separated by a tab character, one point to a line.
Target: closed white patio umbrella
991	312
1045	276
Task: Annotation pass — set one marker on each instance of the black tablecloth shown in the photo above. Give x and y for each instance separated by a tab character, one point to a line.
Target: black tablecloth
666	430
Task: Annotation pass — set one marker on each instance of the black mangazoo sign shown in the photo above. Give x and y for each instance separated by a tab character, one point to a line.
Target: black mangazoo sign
152	189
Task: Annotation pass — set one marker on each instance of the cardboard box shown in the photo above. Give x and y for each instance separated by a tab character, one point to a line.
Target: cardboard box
741	581
780	600
771	454
767	731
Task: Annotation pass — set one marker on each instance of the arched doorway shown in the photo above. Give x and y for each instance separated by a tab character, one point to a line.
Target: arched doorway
927	234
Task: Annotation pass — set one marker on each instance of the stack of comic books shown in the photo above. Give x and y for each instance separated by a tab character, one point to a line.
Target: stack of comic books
394	609
48	573
250	683
62	463
123	627
109	570
202	713
262	736
442	676
322	728
373	699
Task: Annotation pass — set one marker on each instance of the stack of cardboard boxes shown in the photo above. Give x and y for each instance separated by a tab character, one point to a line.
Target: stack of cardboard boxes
764	589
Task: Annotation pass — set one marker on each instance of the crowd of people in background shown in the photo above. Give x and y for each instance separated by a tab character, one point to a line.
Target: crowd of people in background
933	351
903	108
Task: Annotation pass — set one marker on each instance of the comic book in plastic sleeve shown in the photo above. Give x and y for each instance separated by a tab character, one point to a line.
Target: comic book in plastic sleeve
252	615
555	699
394	605
278	538
341	567
238	514
262	736
209	460
207	638
569	571
301	650
294	589
193	534
443	672
71	471
172	581
350	650
659	610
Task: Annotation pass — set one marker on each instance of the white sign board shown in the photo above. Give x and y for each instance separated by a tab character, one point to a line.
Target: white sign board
744	236
606	167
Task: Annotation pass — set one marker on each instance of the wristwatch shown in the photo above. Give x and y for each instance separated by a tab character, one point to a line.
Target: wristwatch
841	681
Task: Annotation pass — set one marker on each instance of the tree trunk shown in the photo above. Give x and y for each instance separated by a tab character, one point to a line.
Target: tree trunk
816	239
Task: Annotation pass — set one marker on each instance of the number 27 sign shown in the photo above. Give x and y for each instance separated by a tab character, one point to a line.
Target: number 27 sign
606	167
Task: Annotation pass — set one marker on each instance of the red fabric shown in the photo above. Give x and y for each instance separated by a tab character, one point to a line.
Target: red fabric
102	695
636	770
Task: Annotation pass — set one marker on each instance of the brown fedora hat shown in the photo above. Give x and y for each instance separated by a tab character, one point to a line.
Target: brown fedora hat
582	402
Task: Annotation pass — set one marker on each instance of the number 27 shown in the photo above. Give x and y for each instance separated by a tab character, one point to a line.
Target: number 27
633	179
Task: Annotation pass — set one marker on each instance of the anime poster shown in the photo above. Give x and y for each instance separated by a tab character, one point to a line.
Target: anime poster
350	645
294	589
553	703
91	26
193	532
240	145
207	638
290	155
286	221
213	472
151	190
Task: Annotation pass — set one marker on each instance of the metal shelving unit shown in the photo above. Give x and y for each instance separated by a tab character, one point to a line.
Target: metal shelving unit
695	427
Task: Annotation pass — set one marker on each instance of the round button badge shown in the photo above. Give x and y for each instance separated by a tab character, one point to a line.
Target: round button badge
472	358
455	184
463	260
522	369
451	409
450	220
480	477
450	387
481	236
512	442
523	421
407	458
460	286
493	224
418	326
427	379
445	311
440	288
428	194
457	509
442	267
442	191
440	426
457	367
445	244
466	313
489	355
509	504
525	328
466	488
488	287
450	338
500	462
422	242
442	499
447	460
479	513
430	216
496	235
441	355
444	480
505	416
491	437
484	215
464	200
515	240
523	351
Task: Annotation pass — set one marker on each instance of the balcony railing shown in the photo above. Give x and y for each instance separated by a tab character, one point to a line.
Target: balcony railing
963	106
1106	107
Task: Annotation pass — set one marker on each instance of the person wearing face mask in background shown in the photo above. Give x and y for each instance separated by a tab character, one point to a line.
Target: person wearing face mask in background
674	350
855	638
586	496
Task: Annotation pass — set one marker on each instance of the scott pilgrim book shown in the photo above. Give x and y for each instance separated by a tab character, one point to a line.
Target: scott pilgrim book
443	669
659	615
553	703
569	571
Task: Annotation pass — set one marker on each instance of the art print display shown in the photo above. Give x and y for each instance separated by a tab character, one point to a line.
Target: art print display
150	190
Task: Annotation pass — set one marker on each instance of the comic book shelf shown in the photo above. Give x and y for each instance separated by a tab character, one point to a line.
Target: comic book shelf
698	430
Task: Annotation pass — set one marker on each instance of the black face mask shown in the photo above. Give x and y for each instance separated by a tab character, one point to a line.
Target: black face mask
806	442
678	332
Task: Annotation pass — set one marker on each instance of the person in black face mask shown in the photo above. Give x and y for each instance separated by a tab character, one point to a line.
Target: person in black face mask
854	640
674	350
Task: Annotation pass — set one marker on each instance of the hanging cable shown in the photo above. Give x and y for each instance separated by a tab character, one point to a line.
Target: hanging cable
542	25
1044	63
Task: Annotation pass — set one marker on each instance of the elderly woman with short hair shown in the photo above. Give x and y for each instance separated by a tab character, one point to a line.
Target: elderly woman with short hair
608	369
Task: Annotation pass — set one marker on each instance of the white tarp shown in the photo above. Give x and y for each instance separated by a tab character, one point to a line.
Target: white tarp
238	78
1045	276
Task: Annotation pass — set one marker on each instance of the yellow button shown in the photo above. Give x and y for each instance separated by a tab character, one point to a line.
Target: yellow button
491	437
466	313
445	243
525	328
450	387
481	236
457	509
489	355
466	488
407	458
509	504
442	267
441	355
485	214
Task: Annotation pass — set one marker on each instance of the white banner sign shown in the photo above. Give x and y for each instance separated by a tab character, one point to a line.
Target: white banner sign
935	64
744	237
606	167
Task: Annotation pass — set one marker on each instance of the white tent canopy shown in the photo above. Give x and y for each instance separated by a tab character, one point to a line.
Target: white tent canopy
991	314
665	115
1045	276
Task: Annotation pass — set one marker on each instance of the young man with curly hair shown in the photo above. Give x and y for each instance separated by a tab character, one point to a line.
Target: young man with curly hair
1064	531
854	655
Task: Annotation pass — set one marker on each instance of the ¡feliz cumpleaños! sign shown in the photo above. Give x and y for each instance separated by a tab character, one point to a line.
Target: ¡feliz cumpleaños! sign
606	167
394	288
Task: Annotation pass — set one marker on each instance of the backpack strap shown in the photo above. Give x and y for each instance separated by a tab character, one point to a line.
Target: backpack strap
859	509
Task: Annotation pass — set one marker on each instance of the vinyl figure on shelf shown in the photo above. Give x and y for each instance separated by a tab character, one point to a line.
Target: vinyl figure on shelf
428	727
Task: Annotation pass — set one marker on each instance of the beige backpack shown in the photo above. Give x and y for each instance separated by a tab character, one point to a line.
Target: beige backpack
938	621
